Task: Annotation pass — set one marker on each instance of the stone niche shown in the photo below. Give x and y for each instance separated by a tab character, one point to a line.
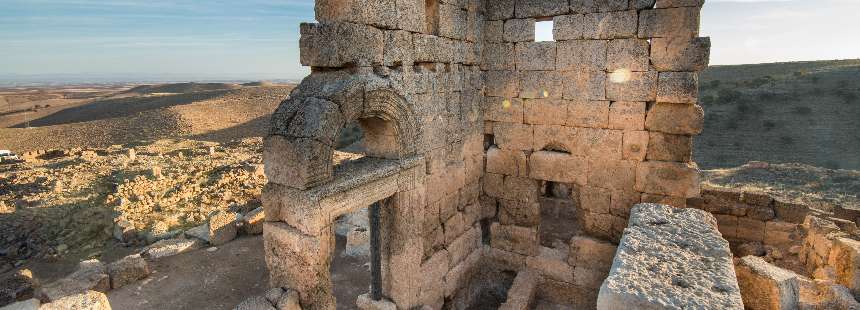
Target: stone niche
490	150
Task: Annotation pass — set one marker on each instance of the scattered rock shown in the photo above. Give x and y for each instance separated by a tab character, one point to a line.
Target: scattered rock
289	301
751	248
127	270
255	303
124	231
89	300
765	286
18	286
252	223
357	242
90	276
364	302
170	247
29	304
222	227
200	232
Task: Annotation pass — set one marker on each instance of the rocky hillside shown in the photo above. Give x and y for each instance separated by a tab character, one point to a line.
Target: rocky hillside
803	112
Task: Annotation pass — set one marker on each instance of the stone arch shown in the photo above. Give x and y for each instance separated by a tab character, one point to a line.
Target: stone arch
299	148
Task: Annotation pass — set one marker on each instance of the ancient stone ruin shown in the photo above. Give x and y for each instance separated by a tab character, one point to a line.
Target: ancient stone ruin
495	163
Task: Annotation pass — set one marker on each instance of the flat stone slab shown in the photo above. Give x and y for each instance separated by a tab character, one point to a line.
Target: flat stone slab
671	258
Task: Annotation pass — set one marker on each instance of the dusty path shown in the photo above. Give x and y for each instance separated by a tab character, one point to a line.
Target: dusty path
200	279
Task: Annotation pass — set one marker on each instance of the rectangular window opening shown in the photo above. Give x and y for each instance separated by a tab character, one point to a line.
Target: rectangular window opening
543	31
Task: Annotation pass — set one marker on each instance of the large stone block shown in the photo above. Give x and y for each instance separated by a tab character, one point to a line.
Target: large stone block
379	13
519	30
127	270
89	300
673	22
588	113
500	9
678	87
666	147
541	8
616	25
398	48
498	56
501	109
624	85
599	143
591	253
668	178
627	115
612	174
340	45
584	85
545	111
552	264
575	27
452	22
507	162
635	145
680	53
765	286
845	260
558	167
660	238
595	200
521	189
520	240
513	136
555	138
433	273
501	84
540	84
525	214
536	56
581	55
430	48
494	31
590	6
674	118
222	227
627	54
679	3
411	15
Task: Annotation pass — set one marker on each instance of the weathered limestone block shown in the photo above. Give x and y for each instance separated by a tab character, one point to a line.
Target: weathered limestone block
590	253
555	138
575	27
765	286
379	13
89	300
519	213
513	136
296	162
398	48
641	4
454	226
673	22
410	15
222	227
464	245
519	30
365	302
501	9
584	85
90	276
520	240
522	291
127	271
581	55
171	247
29	304
300	262
678	87
599	143
591	6
790	212
620	204
674	118
679	3
545	111
598	225
536	56
252	222
845	260
507	162
616	25
624	85
340	44
18	286
779	233
613	174
627	54
558	167
540	84
595	200
589	113
433	273
627	115
501	84
635	145
521	189
498	56
430	48
661	238
552	264
680	53
452	22
501	109
494	31
666	147
668	178
541	8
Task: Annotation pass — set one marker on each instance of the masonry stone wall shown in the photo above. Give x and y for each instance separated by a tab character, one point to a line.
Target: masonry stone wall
473	130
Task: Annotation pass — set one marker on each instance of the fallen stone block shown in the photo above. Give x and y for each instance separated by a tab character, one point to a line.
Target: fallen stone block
170	247
364	302
89	300
127	271
200	232
222	227
29	304
255	303
671	258
18	286
90	276
522	291
252	222
845	260
765	286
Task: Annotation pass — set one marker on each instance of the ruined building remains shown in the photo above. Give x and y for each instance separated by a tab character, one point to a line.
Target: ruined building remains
496	160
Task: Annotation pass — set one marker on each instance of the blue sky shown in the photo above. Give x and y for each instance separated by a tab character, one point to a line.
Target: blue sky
258	39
